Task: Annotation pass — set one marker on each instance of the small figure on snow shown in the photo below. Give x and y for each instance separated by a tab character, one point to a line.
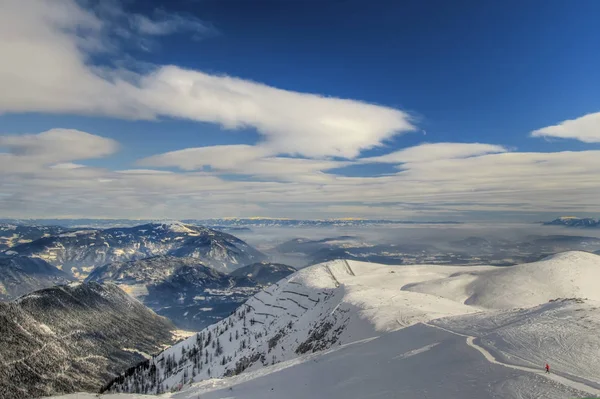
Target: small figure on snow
547	368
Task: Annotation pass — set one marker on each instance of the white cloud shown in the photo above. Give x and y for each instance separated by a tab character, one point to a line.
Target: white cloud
292	123
54	148
435	151
45	69
585	128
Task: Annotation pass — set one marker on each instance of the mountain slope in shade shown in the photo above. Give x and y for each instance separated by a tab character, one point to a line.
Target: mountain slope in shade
148	271
79	252
192	295
433	326
72	338
20	275
264	273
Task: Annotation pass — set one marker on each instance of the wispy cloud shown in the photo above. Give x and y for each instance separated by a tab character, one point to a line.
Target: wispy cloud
428	152
246	160
163	23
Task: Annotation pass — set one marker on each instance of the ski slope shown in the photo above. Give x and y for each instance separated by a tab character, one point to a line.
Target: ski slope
348	329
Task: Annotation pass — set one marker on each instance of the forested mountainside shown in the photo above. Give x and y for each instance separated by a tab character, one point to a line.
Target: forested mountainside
74	338
20	275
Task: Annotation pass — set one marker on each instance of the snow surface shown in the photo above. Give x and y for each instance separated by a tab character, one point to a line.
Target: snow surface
348	329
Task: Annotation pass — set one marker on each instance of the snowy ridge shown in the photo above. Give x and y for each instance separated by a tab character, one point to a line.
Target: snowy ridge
324	305
268	328
569	274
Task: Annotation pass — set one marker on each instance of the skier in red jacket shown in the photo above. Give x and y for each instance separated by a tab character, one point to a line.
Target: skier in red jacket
547	368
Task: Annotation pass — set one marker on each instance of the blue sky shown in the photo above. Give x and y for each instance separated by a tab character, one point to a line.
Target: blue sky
402	110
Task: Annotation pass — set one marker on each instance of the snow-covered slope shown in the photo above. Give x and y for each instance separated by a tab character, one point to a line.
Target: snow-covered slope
570	274
562	332
346	329
79	252
329	304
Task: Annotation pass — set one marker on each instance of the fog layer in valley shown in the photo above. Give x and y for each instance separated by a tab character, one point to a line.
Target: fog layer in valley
476	243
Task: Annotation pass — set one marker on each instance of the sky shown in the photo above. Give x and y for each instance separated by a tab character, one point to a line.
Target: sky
308	109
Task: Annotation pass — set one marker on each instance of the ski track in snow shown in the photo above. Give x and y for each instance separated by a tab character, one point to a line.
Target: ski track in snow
490	358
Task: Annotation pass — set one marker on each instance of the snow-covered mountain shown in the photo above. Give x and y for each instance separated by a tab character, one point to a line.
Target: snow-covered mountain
192	295
571	221
74	337
15	234
20	275
79	252
348	329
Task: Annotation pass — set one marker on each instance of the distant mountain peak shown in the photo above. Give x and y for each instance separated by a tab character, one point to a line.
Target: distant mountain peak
573	221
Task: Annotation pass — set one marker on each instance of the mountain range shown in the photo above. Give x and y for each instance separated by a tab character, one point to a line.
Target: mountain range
14	234
184	290
217	223
74	337
348	329
78	252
